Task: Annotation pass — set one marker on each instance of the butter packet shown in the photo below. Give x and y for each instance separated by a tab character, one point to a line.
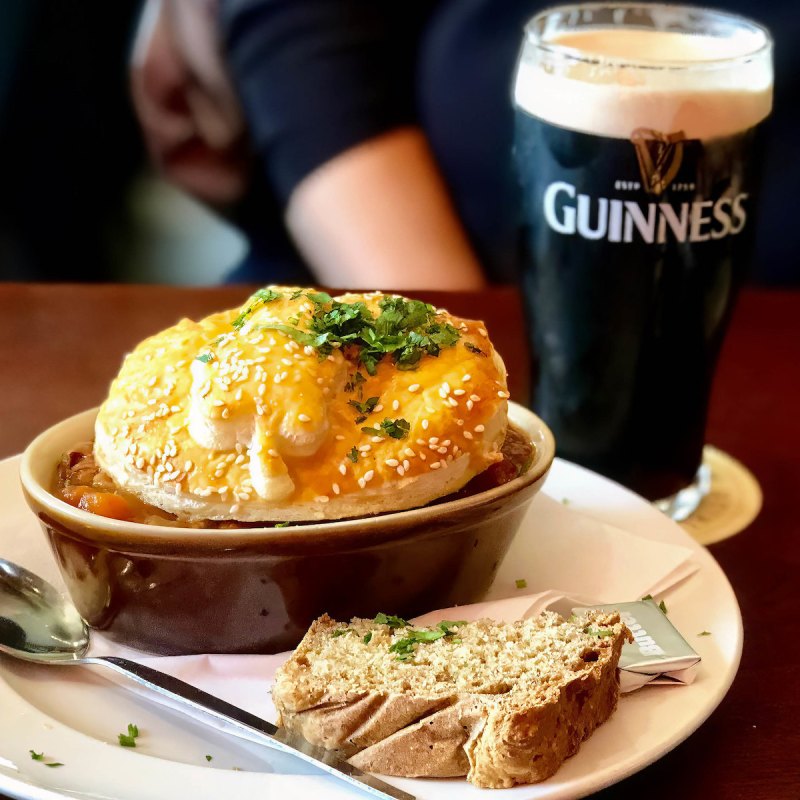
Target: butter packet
658	655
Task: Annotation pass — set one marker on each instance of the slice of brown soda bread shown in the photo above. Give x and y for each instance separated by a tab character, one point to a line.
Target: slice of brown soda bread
502	703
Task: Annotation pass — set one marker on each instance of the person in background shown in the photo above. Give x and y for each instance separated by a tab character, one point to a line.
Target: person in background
368	144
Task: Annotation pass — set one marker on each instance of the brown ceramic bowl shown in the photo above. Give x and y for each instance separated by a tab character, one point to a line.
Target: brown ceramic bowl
175	590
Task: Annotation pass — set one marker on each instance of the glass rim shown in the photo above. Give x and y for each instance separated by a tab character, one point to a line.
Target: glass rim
533	37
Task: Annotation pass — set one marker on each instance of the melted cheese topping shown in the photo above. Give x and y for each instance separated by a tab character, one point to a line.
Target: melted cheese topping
233	418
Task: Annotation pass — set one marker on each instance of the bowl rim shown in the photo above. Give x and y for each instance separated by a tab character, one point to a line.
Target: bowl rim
541	436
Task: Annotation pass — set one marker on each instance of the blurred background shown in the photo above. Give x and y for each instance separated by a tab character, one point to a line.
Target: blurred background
80	201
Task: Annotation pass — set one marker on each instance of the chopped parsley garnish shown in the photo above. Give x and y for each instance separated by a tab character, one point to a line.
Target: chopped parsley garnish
390	620
281	524
396	428
129	739
259	298
521	583
319	297
601	633
340	632
293	320
473	349
565	501
354	383
205	357
208	757
364	409
704	633
367	637
353	455
40	757
662	605
406	330
406	646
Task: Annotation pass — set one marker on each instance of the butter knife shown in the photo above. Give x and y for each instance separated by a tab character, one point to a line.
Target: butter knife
249	725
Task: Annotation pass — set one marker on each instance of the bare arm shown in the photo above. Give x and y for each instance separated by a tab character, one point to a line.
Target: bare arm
379	215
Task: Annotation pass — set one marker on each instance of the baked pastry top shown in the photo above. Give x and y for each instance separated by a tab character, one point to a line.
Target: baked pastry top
300	406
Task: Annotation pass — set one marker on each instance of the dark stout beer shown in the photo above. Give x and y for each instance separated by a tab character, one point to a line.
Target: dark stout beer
639	186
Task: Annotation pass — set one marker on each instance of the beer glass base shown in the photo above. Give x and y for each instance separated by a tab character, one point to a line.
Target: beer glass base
681	505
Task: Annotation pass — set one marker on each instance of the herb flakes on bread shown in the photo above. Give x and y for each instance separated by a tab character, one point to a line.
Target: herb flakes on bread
502	703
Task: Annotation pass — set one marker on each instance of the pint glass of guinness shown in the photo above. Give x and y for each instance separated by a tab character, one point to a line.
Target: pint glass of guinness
637	145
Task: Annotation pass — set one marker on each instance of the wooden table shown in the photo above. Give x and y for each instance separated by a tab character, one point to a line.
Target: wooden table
61	345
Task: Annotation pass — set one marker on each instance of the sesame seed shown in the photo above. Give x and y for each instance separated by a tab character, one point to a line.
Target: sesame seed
262	387
467	377
395	405
401	471
467	435
413	388
391	462
446	443
369	474
339	437
378	408
304	418
272	453
362	483
452	402
435	465
460	422
187	465
284	375
139	463
226	412
443	463
277	378
152	381
409	452
286	361
433	440
425	424
423	457
217	402
470	405
458	392
238	395
442	451
479	428
406	464
365	448
430	410
482	332
323	498
474	398
502	395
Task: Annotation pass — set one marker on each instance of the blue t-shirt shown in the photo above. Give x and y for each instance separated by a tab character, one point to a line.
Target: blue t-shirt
316	77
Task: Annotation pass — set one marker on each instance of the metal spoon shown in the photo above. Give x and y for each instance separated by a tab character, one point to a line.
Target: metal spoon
39	624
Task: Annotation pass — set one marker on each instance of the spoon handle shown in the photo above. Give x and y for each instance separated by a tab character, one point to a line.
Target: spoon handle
192	698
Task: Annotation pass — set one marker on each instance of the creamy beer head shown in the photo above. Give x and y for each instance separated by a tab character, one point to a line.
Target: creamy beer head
610	80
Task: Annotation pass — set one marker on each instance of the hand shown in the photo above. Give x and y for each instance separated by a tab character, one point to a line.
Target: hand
192	123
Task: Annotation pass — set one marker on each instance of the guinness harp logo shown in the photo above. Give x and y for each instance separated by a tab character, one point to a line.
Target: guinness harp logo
659	155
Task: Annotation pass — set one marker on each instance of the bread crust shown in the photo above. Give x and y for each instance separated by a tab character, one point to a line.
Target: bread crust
496	740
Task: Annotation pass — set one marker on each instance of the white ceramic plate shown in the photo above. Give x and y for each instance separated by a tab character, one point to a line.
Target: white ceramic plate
74	714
